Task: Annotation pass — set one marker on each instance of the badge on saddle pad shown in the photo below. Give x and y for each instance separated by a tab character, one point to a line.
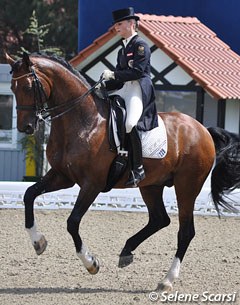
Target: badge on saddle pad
154	142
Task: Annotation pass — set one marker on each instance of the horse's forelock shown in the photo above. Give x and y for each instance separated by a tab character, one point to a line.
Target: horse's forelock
16	66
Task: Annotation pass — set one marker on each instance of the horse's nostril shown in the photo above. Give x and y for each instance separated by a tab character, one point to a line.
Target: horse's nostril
29	129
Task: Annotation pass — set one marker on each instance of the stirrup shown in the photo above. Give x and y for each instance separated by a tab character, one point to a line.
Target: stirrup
135	177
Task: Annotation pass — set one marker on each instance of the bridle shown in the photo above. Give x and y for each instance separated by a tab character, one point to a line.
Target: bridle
38	93
43	112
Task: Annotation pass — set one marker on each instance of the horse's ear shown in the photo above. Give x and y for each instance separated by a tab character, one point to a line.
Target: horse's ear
26	59
9	59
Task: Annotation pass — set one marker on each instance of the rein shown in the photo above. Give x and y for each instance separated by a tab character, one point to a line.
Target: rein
41	112
70	104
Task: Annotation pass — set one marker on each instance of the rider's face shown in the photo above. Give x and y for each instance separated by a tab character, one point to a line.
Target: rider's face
125	28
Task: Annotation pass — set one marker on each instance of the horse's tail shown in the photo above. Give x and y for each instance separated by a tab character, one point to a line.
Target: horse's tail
226	173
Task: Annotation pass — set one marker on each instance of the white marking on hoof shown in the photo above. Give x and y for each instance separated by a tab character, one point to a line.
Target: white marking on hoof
95	267
167	283
38	240
89	261
40	246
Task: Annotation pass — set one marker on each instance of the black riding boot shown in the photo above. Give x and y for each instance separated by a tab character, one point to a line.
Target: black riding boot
137	173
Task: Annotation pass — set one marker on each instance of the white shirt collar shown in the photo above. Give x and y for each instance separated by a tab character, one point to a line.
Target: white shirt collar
126	41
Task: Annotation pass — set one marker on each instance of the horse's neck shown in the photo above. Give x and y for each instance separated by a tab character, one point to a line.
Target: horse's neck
85	114
66	88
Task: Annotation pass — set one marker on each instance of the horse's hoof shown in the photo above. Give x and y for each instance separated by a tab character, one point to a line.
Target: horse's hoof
125	260
164	286
40	246
94	268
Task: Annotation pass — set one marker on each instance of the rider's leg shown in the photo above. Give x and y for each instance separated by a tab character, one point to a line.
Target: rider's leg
137	173
134	107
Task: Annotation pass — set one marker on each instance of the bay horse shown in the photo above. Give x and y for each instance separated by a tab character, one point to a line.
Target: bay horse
78	152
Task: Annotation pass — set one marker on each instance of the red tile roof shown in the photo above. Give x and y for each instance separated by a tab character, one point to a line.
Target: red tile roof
193	46
84	54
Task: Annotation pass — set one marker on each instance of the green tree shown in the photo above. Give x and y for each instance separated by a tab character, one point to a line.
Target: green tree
37	35
61	15
33	144
33	25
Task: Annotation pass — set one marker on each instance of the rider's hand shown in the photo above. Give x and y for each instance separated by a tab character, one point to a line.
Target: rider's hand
107	75
100	85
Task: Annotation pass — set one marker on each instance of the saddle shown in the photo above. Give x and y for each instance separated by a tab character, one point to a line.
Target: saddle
117	140
116	124
154	142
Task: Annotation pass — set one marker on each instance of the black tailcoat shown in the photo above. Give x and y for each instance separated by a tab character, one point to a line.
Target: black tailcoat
133	63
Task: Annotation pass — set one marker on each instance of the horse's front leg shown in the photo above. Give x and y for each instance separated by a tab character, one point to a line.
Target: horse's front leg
85	199
49	183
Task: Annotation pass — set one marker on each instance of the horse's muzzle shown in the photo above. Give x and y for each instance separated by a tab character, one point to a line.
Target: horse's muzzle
28	129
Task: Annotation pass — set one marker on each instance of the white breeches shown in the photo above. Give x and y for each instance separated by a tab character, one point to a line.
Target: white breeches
132	94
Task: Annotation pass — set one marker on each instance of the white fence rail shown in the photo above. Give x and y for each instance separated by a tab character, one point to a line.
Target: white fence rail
11	196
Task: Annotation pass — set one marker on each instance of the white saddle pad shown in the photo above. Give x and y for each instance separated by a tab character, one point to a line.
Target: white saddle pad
154	142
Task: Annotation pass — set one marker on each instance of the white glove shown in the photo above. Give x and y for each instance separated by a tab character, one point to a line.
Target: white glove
98	86
107	75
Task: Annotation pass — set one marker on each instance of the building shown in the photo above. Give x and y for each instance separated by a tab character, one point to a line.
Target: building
12	158
193	71
222	17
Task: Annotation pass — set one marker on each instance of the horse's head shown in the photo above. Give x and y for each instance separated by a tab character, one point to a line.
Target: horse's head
48	86
29	93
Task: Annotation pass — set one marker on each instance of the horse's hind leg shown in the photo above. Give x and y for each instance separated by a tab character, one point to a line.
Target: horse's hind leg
49	183
186	197
158	219
185	235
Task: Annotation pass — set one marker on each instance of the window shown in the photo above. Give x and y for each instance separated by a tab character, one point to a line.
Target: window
176	101
8	131
210	111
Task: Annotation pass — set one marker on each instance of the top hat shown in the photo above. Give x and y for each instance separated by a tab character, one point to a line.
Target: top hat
124	14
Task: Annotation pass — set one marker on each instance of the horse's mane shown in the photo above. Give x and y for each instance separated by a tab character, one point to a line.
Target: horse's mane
57	59
64	63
